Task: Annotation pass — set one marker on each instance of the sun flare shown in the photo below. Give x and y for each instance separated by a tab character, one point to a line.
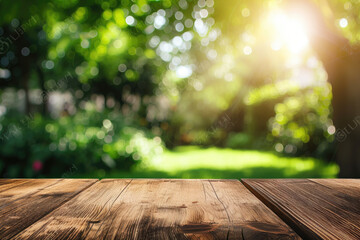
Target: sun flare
288	31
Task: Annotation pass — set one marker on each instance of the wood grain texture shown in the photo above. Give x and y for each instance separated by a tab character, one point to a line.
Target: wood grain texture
75	218
26	203
346	188
23	189
6	184
165	209
250	214
316	209
161	209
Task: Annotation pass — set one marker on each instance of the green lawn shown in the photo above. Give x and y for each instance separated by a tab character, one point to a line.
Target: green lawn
194	162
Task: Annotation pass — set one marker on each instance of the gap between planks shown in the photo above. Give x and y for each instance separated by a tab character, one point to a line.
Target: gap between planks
313	206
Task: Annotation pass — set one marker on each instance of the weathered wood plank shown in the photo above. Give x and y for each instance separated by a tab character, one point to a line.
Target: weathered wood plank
161	209
6	184
350	187
165	209
23	205
249	214
75	218
23	189
314	210
4	181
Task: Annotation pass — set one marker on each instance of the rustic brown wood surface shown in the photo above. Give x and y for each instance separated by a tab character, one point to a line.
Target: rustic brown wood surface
315	208
179	209
6	184
29	201
161	209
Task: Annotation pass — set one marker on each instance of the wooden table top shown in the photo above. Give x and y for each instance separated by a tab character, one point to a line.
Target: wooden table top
179	209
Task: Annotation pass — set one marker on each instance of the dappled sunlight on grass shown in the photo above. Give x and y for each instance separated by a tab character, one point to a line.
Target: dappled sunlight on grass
247	162
194	162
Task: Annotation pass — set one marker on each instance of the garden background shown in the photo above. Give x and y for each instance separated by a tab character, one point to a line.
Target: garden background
185	89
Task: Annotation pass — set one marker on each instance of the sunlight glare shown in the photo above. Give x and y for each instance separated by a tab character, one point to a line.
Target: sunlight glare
247	50
343	22
288	31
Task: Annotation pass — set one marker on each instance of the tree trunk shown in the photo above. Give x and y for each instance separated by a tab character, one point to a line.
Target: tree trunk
342	63
346	113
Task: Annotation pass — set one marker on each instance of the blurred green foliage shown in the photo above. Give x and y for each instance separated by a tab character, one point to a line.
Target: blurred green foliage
87	142
142	75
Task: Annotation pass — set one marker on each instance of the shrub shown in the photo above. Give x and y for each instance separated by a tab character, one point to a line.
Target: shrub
238	140
87	142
